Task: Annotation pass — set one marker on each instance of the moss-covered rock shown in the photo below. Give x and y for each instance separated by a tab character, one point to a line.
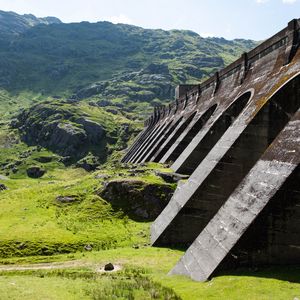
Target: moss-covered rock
136	198
59	128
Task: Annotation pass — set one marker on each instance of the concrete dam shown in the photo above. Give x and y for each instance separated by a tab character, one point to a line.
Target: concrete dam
237	136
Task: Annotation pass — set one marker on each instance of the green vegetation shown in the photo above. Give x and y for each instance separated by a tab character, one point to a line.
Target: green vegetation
39	221
121	66
72	97
142	275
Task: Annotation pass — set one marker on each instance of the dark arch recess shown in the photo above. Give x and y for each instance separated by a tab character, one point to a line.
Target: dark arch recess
191	134
174	138
214	134
156	130
137	143
234	165
163	139
162	134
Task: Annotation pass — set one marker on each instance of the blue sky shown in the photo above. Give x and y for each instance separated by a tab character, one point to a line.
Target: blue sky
253	19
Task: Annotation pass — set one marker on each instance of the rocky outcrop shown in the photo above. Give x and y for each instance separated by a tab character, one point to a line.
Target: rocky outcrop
59	129
13	23
89	163
138	199
67	199
156	69
35	172
171	177
154	81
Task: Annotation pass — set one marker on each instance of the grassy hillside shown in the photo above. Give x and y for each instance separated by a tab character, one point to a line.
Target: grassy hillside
62	58
63	212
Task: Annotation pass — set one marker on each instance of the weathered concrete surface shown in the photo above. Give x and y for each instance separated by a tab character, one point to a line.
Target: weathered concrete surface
243	206
245	142
172	153
223	168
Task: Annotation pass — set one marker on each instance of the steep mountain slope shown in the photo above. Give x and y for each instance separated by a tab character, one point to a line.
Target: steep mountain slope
12	23
108	72
63	58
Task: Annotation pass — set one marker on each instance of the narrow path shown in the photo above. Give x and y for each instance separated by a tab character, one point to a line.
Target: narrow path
99	268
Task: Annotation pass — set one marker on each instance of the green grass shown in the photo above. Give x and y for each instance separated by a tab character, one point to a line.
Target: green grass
146	267
33	222
34	287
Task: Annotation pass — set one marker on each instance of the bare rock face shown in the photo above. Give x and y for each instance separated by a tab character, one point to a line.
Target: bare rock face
59	129
93	130
138	199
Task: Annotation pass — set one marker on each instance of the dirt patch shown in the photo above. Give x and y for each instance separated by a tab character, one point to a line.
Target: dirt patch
60	265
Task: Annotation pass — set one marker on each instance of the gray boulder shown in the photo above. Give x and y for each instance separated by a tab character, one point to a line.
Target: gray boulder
109	267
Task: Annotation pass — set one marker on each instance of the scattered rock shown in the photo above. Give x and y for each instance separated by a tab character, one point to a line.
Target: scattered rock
102	176
22	245
171	177
44	159
103	103
67	199
35	172
137	171
88	163
156	69
112	111
88	247
3	187
18	162
109	267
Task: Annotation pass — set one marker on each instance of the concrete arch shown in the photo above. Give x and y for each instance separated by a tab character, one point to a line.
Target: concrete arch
162	140
225	167
166	125
169	140
191	158
158	127
137	142
186	137
164	119
149	132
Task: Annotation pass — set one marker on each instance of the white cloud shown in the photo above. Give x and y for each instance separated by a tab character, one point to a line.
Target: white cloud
289	1
206	34
261	1
121	18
